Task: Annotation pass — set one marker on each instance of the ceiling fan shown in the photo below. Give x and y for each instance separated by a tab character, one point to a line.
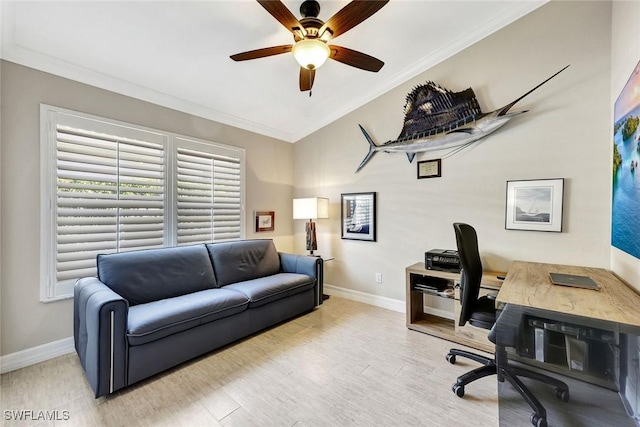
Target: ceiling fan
312	34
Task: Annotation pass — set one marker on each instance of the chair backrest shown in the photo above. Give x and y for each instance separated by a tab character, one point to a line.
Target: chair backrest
471	273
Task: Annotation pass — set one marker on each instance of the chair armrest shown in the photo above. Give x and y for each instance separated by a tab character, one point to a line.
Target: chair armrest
100	334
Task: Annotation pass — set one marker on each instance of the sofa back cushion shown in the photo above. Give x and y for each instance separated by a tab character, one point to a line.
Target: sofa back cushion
243	260
155	274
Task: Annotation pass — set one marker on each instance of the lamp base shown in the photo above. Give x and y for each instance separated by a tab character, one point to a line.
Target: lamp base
312	243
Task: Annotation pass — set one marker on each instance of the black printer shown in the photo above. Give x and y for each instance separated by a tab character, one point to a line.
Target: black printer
442	260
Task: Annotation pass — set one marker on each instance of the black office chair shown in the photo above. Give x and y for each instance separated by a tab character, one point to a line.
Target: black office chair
481	312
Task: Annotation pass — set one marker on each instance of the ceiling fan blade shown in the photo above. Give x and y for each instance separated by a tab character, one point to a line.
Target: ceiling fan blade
278	10
261	53
355	58
351	15
306	79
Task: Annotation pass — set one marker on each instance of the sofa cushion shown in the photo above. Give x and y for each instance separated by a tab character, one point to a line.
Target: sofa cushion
154	320
271	288
242	260
154	274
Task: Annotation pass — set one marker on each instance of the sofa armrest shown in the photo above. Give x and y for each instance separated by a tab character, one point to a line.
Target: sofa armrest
303	264
100	334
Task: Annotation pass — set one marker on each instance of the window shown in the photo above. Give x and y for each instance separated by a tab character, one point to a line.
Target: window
208	195
111	187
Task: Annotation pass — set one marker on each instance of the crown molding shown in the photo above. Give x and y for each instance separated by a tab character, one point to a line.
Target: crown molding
519	10
9	51
55	66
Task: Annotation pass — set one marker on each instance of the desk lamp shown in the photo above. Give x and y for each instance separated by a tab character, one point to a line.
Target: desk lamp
311	208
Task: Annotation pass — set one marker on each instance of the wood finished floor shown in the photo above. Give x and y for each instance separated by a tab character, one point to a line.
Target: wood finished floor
345	364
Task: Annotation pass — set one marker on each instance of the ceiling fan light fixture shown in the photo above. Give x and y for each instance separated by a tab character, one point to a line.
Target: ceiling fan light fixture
311	53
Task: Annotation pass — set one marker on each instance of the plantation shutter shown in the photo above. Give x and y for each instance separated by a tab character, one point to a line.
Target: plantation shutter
209	185
110	192
110	186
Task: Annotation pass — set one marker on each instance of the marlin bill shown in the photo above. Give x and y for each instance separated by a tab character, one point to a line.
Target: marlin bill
436	118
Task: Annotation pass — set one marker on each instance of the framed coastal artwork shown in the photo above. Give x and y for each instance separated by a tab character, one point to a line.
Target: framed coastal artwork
534	205
625	204
358	216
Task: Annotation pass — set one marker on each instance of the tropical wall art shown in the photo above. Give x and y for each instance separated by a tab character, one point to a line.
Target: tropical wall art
625	206
436	118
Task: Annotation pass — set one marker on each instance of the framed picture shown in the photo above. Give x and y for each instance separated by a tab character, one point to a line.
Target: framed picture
534	205
430	169
358	216
265	221
625	195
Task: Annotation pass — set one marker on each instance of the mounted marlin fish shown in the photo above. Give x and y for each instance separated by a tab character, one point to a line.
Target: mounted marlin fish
439	119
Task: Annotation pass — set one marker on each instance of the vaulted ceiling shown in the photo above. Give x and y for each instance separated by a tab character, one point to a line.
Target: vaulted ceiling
176	53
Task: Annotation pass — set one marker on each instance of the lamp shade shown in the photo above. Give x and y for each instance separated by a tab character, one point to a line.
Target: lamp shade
311	208
311	53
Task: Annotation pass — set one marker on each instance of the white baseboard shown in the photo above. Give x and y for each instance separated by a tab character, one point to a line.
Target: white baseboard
378	301
33	355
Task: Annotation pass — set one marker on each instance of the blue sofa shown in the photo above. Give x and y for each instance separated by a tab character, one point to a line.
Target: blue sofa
150	310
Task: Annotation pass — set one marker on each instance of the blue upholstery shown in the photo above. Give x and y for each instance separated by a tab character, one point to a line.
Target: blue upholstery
158	319
155	274
271	314
150	310
156	356
290	263
268	289
235	262
100	314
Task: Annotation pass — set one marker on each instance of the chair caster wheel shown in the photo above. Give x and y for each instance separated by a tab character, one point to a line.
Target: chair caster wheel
458	390
451	358
538	421
562	394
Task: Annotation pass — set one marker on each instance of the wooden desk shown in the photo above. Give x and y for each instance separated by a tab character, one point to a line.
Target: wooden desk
528	284
602	327
443	322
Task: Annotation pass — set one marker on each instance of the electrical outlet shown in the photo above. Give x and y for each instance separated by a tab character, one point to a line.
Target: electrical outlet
378	277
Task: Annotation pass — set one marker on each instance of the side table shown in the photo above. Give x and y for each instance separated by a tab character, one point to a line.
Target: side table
320	275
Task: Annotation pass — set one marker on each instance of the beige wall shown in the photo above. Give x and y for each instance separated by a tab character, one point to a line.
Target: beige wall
25	321
0	207
625	45
565	135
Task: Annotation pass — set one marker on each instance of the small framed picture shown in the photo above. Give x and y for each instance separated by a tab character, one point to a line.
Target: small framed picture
534	205
265	221
358	216
430	169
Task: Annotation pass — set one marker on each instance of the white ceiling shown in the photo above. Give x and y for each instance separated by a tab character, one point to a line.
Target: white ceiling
176	53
